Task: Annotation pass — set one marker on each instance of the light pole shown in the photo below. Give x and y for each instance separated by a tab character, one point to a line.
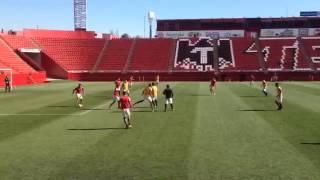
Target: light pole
151	17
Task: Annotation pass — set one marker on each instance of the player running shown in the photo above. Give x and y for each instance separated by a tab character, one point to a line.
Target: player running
116	97
279	97
213	86
168	93
118	83
154	95
79	91
147	95
125	105
7	88
264	87
157	79
131	79
252	78
125	87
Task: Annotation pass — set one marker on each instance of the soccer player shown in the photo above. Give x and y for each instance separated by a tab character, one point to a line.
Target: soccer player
168	93
158	79
125	105
154	95
264	87
213	86
279	97
131	79
7	84
116	97
125	87
252	78
147	93
118	83
79	91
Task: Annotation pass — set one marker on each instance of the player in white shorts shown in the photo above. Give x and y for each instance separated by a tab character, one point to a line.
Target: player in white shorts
115	97
264	87
147	96
154	95
125	105
79	91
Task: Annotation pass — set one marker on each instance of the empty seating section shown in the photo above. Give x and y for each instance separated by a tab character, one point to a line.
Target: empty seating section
273	50
152	55
312	47
72	54
9	59
115	55
245	54
17	42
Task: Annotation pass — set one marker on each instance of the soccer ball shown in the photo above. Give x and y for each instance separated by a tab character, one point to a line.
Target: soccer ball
80	105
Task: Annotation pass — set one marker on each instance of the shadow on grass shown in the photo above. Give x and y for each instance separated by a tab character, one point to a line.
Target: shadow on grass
143	111
251	96
62	106
100	96
93	109
256	110
96	129
304	143
199	95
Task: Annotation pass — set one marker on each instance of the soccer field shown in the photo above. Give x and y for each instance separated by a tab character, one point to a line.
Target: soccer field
236	134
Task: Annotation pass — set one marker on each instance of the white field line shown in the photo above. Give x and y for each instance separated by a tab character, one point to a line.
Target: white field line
96	107
38	114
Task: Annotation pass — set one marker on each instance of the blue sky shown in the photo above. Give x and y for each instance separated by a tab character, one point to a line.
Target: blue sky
128	15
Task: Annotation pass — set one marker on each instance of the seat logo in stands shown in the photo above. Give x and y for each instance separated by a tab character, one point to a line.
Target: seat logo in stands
198	54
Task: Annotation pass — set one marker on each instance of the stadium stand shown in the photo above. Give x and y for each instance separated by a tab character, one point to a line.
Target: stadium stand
72	54
245	54
312	48
17	42
9	58
151	55
81	56
116	55
43	33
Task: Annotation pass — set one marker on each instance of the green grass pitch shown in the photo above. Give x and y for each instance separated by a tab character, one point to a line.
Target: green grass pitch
236	134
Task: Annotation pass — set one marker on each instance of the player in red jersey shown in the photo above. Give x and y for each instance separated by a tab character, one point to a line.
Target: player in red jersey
116	97
118	83
79	91
125	105
213	86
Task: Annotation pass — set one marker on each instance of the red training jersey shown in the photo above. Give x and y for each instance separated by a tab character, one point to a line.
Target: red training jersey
125	102
213	82
118	83
116	92
78	90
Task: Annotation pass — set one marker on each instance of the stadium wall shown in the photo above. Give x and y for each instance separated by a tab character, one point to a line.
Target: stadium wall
199	76
52	68
26	79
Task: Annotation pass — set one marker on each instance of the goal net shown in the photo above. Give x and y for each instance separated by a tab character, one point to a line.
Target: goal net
6	72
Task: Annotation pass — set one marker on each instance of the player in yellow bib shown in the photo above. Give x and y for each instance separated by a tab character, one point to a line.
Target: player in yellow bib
125	87
147	96
154	95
